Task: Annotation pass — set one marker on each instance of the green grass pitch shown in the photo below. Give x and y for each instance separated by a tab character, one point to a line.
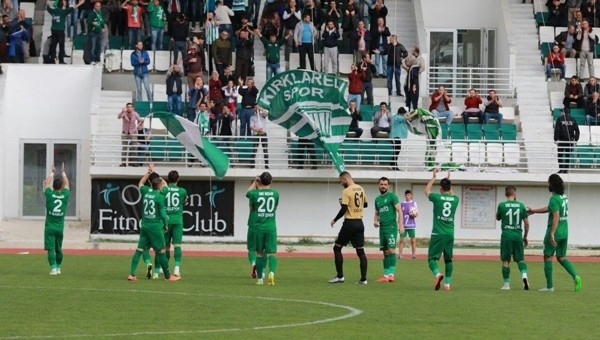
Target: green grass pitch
216	298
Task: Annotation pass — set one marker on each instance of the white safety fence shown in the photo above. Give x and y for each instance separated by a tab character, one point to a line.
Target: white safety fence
458	80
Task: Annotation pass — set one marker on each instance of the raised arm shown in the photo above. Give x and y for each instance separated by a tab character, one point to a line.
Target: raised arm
430	183
65	179
49	178
146	175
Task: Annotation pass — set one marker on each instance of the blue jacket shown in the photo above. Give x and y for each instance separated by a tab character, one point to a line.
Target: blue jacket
140	69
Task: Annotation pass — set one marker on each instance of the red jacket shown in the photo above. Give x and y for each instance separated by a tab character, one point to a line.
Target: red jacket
434	103
555	59
356	79
472	102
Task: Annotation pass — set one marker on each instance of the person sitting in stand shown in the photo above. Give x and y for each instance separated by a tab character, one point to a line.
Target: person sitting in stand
492	108
356	117
381	122
555	59
472	103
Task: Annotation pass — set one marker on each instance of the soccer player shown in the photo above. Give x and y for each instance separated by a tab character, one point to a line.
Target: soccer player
353	202
557	233
57	195
264	202
513	214
388	216
175	199
410	211
153	225
442	233
250	243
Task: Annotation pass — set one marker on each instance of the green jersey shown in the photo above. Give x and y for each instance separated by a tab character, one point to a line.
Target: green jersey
174	200
511	214
59	16
56	207
95	21
386	208
263	202
559	203
154	214
157	15
444	208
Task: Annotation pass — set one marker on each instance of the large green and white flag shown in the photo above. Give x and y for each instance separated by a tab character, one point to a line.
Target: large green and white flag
311	105
424	123
190	136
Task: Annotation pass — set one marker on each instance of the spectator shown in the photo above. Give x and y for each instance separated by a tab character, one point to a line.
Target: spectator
330	51
193	65
381	121
231	95
9	10
355	90
224	129
591	87
16	48
439	105
134	20
27	24
211	29
577	20
492	108
115	19
198	40
356	117
555	59
573	6
143	140
244	26
258	125
59	18
243	55
399	132
379	42
586	41
179	34
316	14
46	59
130	120
396	53
221	52
378	10
333	14
272	52
566	135
174	89
228	75
269	22
253	10
566	41
350	21
158	17
140	59
95	25
590	12
366	65
291	17
239	11
222	14
414	65
197	95
592	109
4	36
472	102
249	95
213	114
304	38
361	40
573	94
558	14
203	119
214	90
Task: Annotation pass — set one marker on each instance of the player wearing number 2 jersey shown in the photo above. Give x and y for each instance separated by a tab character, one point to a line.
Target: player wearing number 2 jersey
263	207
442	233
513	214
153	224
555	241
175	199
353	202
57	194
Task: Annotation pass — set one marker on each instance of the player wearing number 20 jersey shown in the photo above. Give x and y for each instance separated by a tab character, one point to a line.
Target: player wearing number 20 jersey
175	198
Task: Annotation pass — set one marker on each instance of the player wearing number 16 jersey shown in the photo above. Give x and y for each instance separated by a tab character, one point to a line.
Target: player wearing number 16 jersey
442	233
263	207
175	199
57	194
513	214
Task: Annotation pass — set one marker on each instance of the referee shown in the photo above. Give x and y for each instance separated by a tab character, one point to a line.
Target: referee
353	201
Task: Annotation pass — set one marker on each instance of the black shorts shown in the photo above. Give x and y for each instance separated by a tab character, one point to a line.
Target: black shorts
353	231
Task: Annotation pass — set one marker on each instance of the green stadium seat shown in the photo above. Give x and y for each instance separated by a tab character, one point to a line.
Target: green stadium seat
245	149
115	42
159	106
368	151
445	131
157	150
509	132
385	150
541	18
457	131
366	111
142	108
556	113
175	151
491	132
578	115
474	131
545	48
79	42
350	150
585	155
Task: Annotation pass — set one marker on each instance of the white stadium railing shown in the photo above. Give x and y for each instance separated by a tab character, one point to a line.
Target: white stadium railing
458	80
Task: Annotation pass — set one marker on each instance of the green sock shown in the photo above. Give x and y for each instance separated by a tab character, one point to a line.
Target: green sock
449	268
156	263
433	266
548	273
59	258
564	262
522	267
259	266
164	264
272	263
386	264
506	274
146	257
168	254
52	258
252	257
134	261
392	263
177	252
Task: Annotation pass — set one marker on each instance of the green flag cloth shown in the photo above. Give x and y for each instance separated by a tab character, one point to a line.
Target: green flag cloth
311	105
190	136
424	123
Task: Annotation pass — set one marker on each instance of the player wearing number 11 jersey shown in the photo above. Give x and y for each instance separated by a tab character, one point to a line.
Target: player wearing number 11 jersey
442	233
263	208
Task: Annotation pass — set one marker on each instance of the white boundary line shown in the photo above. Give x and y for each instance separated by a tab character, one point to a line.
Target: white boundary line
352	312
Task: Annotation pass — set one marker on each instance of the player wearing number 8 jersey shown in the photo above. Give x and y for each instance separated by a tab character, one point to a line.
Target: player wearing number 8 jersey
175	199
557	234
513	214
442	233
152	226
388	216
263	207
57	194
353	202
